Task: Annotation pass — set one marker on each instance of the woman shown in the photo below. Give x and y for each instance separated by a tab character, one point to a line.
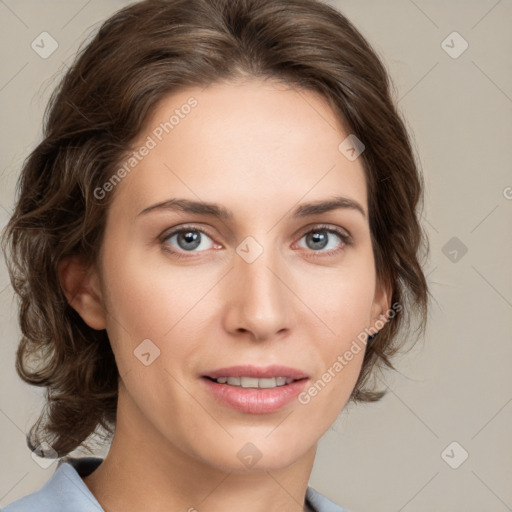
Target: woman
222	210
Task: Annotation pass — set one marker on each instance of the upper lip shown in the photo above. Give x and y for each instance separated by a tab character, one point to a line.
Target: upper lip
260	372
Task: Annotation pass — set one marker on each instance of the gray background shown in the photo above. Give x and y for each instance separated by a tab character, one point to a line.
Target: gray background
454	387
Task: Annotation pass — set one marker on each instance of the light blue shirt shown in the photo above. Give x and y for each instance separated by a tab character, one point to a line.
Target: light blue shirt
65	491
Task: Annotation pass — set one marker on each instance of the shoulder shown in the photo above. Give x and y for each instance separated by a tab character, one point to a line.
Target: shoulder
65	491
319	503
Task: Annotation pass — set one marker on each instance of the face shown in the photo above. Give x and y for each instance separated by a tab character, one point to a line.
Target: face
264	286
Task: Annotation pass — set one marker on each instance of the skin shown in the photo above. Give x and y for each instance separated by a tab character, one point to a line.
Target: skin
258	149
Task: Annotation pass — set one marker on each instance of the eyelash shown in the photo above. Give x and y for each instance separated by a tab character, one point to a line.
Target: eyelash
346	240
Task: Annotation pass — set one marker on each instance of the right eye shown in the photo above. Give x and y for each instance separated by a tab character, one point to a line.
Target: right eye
187	240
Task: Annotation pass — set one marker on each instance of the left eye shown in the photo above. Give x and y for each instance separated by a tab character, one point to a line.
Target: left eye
324	239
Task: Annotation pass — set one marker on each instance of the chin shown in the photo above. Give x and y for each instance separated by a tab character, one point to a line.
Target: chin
256	453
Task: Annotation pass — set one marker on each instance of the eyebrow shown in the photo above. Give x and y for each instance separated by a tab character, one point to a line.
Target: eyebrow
218	211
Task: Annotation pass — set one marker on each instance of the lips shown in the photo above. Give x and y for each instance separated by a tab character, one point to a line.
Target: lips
255	390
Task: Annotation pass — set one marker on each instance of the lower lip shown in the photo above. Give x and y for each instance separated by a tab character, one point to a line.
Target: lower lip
255	400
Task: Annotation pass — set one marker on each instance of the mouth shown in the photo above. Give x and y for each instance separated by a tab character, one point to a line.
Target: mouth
255	390
253	382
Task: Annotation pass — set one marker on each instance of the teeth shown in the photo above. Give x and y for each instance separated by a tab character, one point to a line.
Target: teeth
253	382
267	383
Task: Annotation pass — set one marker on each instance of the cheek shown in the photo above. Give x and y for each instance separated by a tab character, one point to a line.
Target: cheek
148	297
341	300
343	304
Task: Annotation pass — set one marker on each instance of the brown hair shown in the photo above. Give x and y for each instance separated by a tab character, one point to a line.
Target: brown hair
141	54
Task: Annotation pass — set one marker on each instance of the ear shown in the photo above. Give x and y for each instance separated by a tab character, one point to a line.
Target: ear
81	286
381	303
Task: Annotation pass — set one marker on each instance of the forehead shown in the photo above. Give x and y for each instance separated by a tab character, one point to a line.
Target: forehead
241	144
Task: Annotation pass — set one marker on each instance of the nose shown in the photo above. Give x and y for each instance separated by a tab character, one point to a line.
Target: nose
259	301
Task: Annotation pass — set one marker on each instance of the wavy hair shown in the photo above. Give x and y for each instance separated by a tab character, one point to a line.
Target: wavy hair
140	55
